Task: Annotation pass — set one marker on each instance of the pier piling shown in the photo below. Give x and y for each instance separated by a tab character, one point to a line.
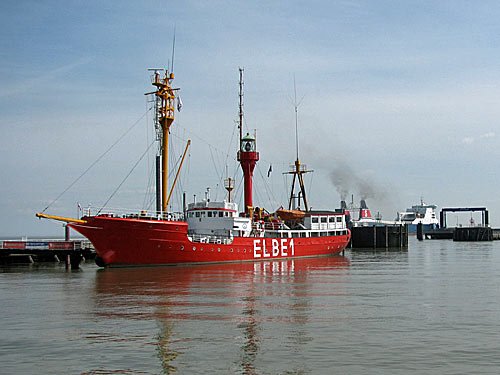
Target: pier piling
420	231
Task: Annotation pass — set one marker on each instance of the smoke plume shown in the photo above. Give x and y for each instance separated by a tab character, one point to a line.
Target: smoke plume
346	181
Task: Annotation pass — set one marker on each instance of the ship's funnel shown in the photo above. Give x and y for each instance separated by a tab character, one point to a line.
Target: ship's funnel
364	212
343	206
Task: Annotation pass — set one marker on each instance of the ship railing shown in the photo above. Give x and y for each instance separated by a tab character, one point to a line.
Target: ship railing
216	240
270	225
130	214
170	216
306	233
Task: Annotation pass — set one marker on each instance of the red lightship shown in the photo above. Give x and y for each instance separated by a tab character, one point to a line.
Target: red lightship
210	231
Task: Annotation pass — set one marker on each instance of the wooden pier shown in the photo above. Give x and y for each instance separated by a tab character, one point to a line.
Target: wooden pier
72	252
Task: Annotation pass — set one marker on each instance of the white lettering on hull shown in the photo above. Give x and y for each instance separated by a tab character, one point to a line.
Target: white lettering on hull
279	248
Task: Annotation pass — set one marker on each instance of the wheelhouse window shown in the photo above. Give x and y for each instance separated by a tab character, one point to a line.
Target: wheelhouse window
314	220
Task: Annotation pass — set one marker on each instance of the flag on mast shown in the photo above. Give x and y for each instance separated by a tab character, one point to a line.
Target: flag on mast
179	103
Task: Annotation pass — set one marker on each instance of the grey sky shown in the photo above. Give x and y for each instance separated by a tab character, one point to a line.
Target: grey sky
400	95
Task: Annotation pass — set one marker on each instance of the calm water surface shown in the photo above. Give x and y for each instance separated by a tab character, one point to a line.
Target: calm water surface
430	310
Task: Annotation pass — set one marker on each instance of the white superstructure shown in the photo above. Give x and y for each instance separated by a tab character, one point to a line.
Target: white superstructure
420	213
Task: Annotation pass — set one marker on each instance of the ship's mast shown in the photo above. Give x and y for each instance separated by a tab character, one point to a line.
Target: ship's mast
240	114
165	98
247	156
228	185
298	169
229	182
157	105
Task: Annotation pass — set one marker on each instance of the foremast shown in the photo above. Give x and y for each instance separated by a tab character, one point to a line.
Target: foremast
165	115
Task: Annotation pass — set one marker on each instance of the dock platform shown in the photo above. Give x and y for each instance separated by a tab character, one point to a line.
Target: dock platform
69	251
440	234
379	236
473	234
482	232
464	234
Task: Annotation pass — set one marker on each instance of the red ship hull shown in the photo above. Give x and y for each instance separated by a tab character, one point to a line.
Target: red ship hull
131	241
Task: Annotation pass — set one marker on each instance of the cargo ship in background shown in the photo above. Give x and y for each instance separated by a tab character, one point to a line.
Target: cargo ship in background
210	231
419	213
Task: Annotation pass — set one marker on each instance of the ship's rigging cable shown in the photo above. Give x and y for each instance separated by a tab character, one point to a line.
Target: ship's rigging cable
238	192
286	185
179	192
174	167
220	177
213	149
149	194
310	185
194	135
97	160
267	189
230	146
225	153
150	168
127	176
149	198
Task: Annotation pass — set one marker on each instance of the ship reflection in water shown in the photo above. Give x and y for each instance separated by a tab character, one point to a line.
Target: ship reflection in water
222	317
